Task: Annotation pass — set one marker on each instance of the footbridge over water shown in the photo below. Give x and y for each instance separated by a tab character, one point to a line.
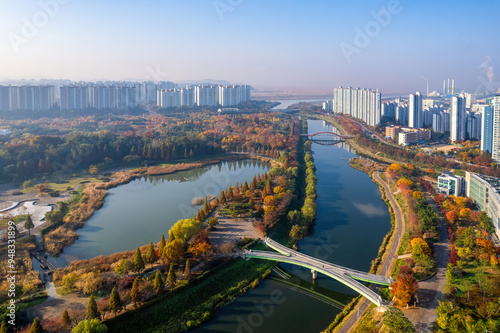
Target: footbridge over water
346	276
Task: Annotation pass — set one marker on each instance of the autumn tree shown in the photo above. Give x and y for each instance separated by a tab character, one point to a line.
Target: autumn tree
171	277
90	326
151	255
115	302
158	284
29	224
420	247
65	319
405	286
161	246
92	311
135	294
296	232
212	222
138	261
396	322
174	251
36	327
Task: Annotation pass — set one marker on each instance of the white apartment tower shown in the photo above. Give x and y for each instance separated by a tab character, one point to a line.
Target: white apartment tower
358	103
415	113
458	118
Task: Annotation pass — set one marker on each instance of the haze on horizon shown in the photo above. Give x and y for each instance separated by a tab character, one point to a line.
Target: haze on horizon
278	45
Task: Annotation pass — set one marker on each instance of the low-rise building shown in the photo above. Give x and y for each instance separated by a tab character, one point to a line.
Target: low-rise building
408	136
450	184
392	132
484	192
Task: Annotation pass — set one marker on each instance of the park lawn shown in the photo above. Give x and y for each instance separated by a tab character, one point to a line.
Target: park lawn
65	184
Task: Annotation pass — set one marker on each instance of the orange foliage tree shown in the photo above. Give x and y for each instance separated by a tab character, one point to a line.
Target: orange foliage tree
405	286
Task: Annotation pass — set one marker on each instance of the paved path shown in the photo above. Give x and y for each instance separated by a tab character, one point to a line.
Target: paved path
431	291
388	261
231	230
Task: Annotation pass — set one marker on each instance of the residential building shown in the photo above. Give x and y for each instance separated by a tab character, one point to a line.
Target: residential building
358	103
487	129
408	135
450	184
458	118
484	192
392	132
495	149
415	116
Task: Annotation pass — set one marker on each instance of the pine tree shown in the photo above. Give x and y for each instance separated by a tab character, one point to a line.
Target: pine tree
201	215
134	293
251	203
66	320
229	193
138	261
29	224
268	190
115	303
171	278
92	311
245	187
36	327
158	285
206	210
151	255
162	244
187	271
222	198
253	184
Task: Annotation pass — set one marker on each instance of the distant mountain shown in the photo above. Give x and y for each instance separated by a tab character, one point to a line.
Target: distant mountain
208	81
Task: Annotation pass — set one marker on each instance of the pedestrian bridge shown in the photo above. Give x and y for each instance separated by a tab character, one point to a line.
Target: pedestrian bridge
347	276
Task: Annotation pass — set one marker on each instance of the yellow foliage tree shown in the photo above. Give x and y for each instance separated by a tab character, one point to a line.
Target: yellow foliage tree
420	246
278	190
418	194
464	212
406	181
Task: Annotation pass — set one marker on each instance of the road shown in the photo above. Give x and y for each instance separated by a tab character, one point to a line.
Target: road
431	291
398	232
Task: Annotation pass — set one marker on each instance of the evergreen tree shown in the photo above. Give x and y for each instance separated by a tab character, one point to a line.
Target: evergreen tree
206	210
187	271
222	198
268	189
245	187
151	255
171	278
36	327
138	261
158	285
229	193
92	311
66	320
115	303
162	244
251	203
29	224
134	293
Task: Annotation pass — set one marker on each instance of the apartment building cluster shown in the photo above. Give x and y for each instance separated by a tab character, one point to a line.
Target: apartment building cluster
79	97
27	98
407	135
358	103
204	95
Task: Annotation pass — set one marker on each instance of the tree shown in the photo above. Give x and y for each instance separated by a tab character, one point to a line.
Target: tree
158	285
405	287
419	247
222	198
245	187
36	327
161	249
151	255
485	222
138	261
174	251
396	321
124	266
201	249
135	295
66	320
92	311
29	224
295	232
3	327
450	279
115	303
90	326
212	222
187	271
171	278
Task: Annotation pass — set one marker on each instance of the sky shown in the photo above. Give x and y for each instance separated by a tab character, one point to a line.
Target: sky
395	46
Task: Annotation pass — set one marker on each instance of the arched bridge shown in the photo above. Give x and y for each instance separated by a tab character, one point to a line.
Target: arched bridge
333	136
344	275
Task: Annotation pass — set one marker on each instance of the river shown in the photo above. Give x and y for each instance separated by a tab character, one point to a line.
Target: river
137	213
352	221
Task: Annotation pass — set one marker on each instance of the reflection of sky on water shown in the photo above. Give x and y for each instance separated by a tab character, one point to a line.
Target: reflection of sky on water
369	209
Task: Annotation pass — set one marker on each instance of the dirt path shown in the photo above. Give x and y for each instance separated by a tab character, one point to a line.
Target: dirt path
231	230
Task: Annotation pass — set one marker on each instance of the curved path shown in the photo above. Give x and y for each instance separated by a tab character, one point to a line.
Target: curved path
398	231
344	275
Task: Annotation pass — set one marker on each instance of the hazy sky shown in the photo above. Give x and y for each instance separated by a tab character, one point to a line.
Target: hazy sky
276	45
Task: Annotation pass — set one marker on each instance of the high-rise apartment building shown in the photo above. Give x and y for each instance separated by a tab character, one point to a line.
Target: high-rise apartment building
495	153
361	104
458	120
487	129
27	98
415	114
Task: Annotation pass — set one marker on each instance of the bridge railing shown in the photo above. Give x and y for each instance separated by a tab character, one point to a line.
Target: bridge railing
345	269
